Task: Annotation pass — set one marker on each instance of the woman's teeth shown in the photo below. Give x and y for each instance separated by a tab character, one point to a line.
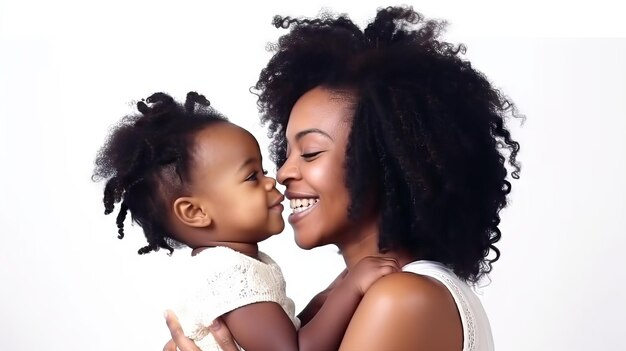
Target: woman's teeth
299	205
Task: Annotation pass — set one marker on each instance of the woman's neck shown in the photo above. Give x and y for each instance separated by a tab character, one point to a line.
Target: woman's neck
364	242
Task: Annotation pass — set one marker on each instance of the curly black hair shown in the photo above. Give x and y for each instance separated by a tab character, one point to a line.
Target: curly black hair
146	161
428	138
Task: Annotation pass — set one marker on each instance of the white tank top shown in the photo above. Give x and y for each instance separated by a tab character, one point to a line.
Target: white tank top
476	329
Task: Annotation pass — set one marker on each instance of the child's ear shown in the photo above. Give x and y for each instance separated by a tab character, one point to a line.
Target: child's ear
192	212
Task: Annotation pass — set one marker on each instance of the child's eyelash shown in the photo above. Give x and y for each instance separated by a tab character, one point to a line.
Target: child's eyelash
254	176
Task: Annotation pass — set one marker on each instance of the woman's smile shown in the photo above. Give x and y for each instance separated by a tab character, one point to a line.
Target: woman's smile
299	205
299	212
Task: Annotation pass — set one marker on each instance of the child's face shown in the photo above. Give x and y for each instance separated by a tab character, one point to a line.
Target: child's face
227	178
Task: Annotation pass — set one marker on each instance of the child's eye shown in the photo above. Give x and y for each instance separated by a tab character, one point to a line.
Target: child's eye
253	177
310	155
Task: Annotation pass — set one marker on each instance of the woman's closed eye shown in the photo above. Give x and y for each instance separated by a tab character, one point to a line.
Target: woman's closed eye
310	155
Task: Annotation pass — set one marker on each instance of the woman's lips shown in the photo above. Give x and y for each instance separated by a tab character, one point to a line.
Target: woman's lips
296	217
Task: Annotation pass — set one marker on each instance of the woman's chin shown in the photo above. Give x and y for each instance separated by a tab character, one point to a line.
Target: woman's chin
304	242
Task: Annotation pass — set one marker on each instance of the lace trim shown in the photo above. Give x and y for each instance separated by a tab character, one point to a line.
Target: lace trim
224	280
471	329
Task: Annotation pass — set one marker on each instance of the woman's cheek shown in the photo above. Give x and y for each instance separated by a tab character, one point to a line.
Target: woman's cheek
317	173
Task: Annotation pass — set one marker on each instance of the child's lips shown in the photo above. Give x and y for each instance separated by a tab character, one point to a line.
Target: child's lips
277	204
278	207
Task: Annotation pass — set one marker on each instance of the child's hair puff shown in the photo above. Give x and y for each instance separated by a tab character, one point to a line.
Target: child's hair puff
146	161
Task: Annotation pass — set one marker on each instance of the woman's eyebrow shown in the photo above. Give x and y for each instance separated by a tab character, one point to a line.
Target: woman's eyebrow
302	133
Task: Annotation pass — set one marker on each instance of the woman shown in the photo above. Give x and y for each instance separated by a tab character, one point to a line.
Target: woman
390	144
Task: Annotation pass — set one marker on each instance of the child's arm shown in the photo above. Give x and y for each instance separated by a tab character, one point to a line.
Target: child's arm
262	326
326	328
318	300
265	326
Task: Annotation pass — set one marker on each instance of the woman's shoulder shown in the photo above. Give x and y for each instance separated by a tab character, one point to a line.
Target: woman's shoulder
412	312
415	292
409	295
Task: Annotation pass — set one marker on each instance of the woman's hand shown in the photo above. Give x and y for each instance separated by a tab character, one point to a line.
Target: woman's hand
181	342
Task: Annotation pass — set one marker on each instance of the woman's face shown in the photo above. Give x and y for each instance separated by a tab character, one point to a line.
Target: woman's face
314	172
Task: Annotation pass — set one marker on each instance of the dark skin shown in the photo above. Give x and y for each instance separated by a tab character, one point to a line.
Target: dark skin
265	326
240	207
224	336
401	311
412	312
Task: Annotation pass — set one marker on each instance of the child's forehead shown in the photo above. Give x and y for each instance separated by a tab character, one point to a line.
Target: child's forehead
225	127
225	133
225	143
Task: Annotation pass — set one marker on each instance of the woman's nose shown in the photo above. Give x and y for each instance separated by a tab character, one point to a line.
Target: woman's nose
287	172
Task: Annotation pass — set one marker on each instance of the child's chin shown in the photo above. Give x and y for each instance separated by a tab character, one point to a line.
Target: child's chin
277	229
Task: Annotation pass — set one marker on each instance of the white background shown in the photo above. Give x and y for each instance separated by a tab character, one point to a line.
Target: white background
70	69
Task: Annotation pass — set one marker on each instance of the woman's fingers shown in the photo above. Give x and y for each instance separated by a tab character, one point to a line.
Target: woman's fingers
170	346
223	336
180	342
179	339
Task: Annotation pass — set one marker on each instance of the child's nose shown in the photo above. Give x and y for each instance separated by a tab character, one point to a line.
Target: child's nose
270	183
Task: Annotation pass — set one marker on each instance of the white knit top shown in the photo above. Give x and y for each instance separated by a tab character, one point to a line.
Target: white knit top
476	329
227	280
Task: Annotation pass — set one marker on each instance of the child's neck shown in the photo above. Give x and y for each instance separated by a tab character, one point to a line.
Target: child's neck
247	249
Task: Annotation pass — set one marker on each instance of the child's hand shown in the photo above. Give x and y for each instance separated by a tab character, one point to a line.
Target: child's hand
368	270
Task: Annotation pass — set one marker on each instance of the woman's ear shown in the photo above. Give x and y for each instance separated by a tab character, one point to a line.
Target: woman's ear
192	212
